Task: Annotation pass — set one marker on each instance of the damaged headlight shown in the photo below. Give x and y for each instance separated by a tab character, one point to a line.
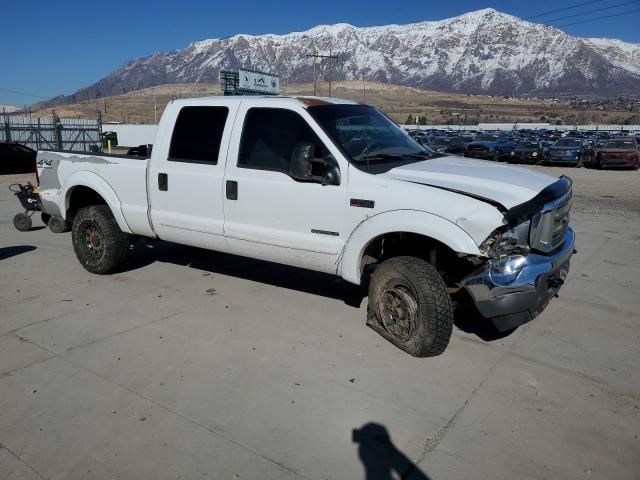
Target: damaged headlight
505	271
507	241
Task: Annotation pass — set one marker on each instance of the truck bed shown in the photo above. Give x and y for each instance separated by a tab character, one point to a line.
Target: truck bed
121	180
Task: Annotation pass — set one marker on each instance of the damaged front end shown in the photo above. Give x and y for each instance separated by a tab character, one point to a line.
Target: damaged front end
527	260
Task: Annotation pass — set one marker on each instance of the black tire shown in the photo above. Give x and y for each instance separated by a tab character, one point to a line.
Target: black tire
58	225
22	222
637	165
409	305
45	217
100	245
496	156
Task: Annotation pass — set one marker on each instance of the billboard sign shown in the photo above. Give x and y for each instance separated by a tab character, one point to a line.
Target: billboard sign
258	82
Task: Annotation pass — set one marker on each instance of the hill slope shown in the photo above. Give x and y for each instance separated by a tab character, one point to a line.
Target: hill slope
143	106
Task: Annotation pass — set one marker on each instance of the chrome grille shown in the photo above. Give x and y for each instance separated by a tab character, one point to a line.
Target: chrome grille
560	222
548	228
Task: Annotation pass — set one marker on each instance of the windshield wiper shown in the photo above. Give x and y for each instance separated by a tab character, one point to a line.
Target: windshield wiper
394	156
380	156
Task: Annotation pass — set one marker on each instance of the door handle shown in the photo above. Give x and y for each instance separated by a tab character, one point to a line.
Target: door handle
232	190
163	182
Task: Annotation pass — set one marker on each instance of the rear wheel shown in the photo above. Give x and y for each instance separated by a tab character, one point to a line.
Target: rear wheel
100	245
409	305
58	225
22	222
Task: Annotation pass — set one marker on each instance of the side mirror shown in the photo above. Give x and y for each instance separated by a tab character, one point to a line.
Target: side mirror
301	161
305	167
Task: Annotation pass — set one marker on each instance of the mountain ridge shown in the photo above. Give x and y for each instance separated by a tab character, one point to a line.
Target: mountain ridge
483	52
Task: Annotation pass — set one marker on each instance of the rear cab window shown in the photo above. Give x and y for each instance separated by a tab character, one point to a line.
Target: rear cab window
197	135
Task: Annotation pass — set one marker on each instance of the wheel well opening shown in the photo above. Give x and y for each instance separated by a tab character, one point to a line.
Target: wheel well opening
81	197
451	265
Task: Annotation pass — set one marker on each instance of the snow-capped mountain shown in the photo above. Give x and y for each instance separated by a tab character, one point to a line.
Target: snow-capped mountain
479	52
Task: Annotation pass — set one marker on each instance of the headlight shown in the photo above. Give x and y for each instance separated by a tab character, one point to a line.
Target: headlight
504	272
504	242
534	154
512	153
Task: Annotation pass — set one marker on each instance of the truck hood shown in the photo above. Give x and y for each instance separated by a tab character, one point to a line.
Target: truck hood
493	182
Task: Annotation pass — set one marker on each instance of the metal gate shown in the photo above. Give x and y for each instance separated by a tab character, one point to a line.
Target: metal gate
52	133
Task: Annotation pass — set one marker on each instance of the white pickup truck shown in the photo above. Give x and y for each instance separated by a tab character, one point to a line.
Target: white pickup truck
332	186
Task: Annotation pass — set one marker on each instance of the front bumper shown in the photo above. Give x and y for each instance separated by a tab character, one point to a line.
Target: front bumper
509	306
617	162
562	159
524	158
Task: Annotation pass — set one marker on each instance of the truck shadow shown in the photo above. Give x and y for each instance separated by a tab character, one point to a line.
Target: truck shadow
145	252
468	319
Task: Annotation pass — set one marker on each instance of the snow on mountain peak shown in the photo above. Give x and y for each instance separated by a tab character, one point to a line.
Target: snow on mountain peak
484	51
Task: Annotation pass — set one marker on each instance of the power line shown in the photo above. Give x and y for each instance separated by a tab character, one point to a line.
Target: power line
590	11
22	93
571	7
599	18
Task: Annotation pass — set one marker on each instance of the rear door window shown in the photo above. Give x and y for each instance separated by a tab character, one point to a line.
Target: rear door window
197	135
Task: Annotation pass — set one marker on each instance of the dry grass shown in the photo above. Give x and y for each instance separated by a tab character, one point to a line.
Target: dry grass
397	101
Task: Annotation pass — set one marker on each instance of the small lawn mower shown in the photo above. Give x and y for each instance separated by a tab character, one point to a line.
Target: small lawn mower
29	196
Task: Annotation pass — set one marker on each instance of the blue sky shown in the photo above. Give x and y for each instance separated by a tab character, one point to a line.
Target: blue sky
55	47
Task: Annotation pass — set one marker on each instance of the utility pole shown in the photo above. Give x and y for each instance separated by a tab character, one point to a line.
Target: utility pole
155	108
364	89
329	57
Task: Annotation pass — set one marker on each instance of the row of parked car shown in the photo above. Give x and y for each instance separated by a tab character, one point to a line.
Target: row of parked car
589	149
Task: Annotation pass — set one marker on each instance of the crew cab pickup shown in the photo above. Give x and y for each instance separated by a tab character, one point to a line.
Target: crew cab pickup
332	186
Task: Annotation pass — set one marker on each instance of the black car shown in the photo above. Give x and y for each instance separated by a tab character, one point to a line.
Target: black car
526	151
490	147
446	144
570	151
16	158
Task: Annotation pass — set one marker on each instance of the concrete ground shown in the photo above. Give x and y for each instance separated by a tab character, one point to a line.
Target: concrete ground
192	364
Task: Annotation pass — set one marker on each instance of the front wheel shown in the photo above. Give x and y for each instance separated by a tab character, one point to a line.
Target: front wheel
409	305
100	245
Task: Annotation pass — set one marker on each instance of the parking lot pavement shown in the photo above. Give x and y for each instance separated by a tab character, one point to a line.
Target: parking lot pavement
194	364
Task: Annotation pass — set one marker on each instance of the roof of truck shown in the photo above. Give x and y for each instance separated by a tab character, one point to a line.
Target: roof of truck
305	101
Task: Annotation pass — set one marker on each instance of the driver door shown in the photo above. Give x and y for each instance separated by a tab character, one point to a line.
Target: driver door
268	214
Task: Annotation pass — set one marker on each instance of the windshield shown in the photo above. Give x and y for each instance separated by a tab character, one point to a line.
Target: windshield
371	141
486	138
567	142
622	144
441	141
528	144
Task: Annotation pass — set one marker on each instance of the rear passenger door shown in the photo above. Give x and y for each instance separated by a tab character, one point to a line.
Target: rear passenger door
185	186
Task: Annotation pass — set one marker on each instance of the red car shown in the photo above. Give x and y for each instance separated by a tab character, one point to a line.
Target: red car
619	152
